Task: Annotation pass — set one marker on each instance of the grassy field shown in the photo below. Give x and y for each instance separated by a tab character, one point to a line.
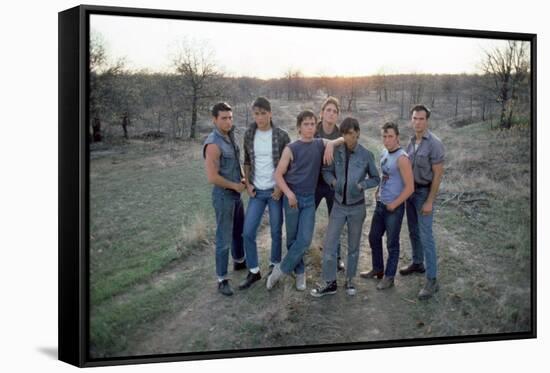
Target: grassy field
152	265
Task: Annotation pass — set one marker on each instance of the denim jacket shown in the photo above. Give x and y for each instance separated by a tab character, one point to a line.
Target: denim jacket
361	170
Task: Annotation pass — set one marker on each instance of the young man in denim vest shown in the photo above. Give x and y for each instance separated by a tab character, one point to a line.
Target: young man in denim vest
296	175
427	154
352	172
396	186
263	145
223	169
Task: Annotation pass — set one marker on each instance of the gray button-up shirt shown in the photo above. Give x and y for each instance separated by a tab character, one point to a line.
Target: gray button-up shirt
430	151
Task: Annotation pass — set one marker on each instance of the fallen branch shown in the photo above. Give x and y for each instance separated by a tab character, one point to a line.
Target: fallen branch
449	199
475	200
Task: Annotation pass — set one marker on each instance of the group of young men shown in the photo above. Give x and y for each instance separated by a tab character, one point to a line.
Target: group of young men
325	162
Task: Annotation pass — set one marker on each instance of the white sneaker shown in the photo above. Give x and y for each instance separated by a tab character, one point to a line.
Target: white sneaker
274	277
301	282
350	288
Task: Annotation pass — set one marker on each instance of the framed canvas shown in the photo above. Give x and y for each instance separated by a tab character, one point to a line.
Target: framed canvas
146	273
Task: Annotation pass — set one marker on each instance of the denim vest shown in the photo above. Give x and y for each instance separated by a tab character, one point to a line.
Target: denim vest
361	170
230	167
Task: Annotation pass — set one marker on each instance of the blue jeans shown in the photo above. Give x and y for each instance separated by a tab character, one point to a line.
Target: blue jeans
300	223
229	228
420	232
353	216
324	191
389	222
252	220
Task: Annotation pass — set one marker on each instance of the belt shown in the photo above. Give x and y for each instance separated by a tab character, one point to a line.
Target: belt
417	186
360	202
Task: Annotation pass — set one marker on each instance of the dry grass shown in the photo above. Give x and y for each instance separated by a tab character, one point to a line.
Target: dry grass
484	252
196	231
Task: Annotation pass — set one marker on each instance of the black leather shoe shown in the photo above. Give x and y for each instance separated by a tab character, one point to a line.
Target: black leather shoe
412	268
225	288
250	279
372	274
239	266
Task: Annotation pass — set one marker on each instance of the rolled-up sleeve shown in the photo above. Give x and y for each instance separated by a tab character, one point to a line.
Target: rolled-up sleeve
437	153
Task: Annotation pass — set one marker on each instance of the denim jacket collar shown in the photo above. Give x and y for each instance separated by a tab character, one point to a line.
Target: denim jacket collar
227	138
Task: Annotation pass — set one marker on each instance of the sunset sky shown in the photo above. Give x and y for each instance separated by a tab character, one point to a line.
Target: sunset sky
268	51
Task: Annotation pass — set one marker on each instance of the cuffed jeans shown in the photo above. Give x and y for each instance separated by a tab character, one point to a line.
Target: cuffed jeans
420	232
300	223
229	228
324	191
353	216
253	218
389	222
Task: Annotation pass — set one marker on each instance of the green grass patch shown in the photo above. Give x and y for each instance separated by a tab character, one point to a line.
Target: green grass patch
114	324
137	211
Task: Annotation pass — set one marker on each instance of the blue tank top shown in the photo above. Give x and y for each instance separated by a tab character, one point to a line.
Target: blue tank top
303	171
391	183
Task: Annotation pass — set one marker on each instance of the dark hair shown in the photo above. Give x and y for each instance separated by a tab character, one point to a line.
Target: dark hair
329	100
349	124
220	106
421	108
303	115
390	125
262	103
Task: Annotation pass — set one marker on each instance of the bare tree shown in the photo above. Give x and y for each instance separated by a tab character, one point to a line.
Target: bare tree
416	89
294	84
509	68
108	88
289	73
352	94
380	85
199	72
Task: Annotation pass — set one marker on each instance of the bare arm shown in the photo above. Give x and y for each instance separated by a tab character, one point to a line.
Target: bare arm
329	149
212	166
405	169
437	170
277	192
281	170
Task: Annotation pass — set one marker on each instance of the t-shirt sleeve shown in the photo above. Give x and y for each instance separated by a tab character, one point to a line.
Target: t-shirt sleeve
438	152
320	144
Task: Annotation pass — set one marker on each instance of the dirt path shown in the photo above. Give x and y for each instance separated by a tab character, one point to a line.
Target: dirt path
285	317
480	293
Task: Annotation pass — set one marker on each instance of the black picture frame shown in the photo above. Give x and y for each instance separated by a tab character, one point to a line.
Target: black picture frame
74	182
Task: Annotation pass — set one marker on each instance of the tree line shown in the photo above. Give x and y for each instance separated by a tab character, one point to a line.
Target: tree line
171	104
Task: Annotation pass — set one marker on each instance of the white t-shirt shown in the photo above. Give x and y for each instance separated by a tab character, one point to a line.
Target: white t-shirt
263	157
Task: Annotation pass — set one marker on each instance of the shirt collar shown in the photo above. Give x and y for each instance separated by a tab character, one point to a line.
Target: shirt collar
254	125
345	148
427	135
